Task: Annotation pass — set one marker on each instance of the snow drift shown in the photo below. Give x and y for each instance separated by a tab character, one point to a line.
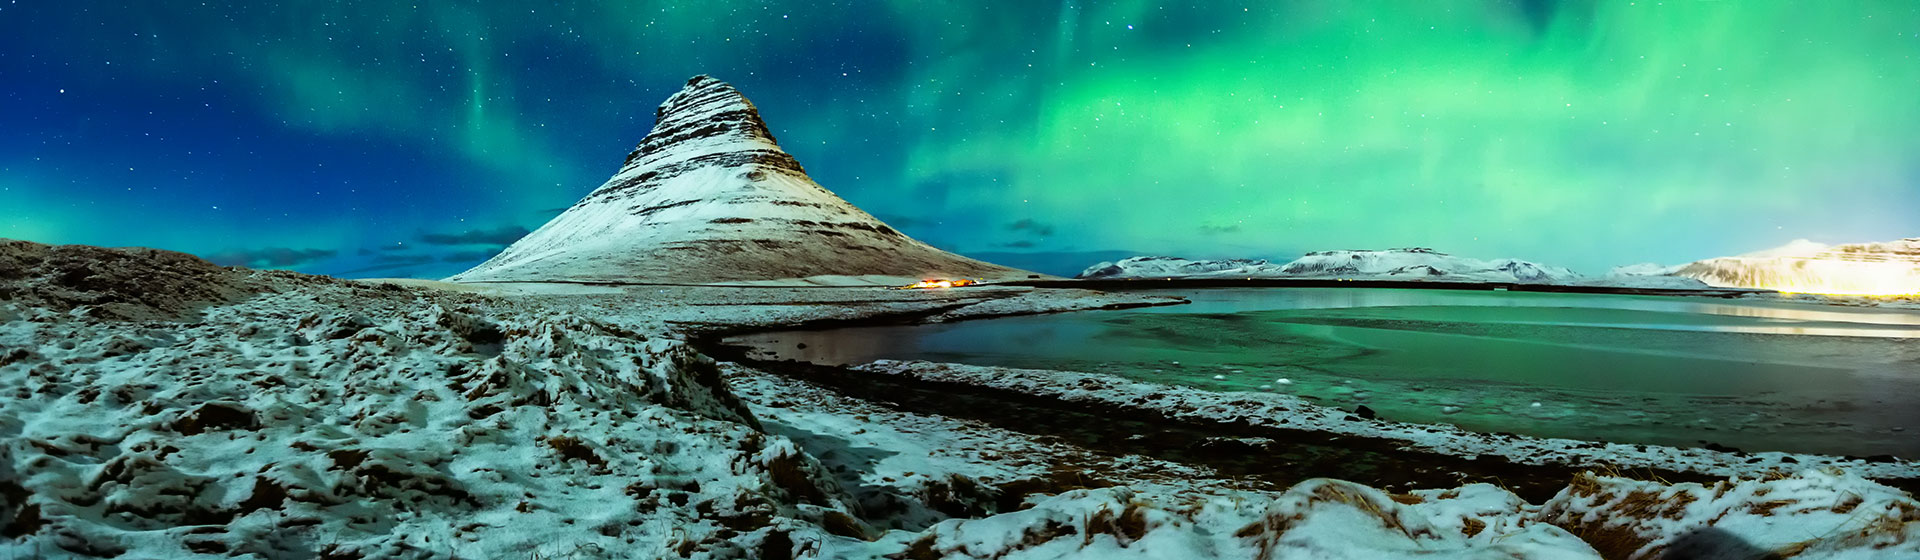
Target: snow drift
289	416
1809	515
708	196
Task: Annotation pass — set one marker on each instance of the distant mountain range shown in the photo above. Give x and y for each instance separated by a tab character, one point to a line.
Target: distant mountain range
1879	268
1390	264
1057	263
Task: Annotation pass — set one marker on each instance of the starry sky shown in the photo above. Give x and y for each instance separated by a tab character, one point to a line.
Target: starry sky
374	138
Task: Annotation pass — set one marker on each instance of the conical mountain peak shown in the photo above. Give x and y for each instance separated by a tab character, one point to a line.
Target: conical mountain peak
704	116
708	197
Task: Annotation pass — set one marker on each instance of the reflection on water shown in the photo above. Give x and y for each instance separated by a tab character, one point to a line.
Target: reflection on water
1674	371
1237	300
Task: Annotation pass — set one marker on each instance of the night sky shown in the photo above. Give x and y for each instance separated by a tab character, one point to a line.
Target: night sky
386	139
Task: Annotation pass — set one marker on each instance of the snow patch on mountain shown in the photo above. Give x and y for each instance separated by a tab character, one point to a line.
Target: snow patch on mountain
1176	267
1643	269
1643	276
1390	264
1871	269
707	197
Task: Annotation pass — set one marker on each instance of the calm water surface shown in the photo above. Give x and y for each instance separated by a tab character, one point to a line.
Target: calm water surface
1760	376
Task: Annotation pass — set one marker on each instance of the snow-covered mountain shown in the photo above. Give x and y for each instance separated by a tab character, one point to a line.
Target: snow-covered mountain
1645	275
1882	268
1176	267
1391	264
708	196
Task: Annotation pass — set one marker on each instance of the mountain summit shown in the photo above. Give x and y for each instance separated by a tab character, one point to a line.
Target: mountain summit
708	197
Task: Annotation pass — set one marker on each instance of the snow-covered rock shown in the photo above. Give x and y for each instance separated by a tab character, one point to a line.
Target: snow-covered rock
153	405
1390	264
708	196
1816	513
1886	268
288	416
1320	519
1813	514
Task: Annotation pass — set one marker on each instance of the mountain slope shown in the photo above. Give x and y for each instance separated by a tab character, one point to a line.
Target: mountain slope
1887	268
708	197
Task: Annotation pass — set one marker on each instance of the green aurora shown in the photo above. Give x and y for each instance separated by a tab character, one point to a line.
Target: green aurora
375	138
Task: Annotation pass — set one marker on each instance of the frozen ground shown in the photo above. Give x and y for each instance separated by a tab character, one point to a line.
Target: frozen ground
155	406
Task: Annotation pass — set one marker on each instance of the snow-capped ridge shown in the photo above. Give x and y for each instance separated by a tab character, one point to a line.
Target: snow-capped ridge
709	197
1874	268
1413	263
1644	269
1159	266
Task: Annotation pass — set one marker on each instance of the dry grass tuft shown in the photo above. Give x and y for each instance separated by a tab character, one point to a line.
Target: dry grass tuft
1472	526
1766	508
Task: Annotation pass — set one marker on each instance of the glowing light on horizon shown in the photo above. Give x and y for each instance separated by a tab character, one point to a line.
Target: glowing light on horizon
1825	274
937	284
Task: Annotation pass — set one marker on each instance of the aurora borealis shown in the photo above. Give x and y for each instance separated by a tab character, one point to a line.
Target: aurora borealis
383	139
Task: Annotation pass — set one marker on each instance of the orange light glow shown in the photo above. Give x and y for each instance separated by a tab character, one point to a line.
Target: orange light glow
1802	275
937	284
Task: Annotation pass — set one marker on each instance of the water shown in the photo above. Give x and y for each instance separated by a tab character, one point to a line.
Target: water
1759	376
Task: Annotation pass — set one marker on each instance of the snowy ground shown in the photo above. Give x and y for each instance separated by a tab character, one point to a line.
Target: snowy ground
154	406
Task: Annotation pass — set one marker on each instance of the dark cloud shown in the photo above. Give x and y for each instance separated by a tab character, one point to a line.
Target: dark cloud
395	247
1033	226
270	257
392	262
470	256
410	258
1217	230
1021	244
1539	15
503	235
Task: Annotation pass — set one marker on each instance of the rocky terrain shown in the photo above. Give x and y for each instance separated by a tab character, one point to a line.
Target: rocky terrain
709	197
156	406
297	416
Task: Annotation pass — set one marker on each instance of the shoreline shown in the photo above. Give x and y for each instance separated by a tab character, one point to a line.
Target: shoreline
1405	442
247	404
1169	283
